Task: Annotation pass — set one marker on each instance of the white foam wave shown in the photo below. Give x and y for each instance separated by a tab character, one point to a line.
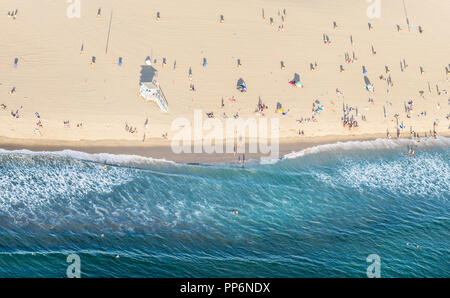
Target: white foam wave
377	144
425	175
28	188
31	182
107	158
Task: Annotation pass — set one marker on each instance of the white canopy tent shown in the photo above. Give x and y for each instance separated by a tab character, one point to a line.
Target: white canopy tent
152	91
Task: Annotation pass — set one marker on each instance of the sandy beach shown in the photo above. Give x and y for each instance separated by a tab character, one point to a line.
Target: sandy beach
361	78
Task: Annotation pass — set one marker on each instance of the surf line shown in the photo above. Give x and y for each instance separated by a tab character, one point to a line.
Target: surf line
109	32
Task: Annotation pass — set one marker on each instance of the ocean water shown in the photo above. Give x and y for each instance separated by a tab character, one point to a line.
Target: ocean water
316	213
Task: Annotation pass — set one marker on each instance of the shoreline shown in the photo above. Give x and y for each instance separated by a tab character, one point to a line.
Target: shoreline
161	149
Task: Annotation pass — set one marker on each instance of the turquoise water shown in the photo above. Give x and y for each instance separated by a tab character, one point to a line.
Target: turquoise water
319	214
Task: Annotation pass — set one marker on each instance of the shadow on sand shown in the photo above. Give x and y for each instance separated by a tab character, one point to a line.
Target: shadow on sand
148	73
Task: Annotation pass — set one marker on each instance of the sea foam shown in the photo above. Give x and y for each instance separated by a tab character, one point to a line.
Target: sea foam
378	144
105	158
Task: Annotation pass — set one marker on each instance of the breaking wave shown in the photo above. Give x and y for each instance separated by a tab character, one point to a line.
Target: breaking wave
105	158
378	144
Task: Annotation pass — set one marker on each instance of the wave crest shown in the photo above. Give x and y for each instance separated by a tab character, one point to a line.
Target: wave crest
377	144
105	158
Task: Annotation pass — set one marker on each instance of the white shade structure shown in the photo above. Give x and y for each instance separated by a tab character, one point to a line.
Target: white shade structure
152	91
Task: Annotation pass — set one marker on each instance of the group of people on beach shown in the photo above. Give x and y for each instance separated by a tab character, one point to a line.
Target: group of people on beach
350	118
13	13
130	129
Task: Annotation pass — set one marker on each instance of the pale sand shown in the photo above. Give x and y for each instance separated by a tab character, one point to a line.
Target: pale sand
55	80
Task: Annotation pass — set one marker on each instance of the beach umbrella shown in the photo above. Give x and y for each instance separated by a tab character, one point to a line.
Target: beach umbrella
241	86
